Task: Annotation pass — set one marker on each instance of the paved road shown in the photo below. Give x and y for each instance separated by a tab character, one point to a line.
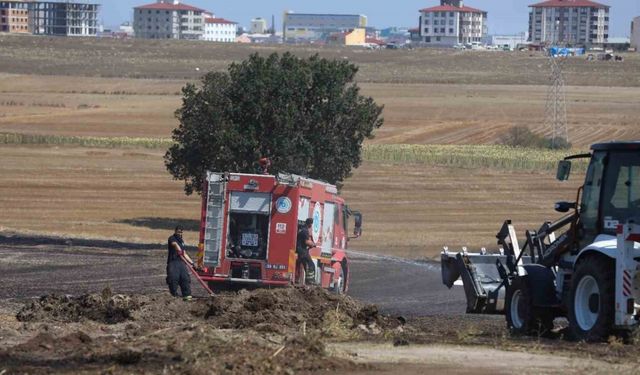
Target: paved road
30	267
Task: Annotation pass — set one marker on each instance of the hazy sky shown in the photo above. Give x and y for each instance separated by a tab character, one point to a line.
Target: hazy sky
505	16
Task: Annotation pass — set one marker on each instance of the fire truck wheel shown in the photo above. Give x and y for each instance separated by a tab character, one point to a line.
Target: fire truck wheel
522	317
338	285
592	299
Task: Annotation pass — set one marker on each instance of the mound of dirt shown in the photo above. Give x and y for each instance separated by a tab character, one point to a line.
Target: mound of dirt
279	310
282	311
106	308
181	349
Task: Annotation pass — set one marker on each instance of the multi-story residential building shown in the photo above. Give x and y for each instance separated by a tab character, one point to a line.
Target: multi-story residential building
304	27
63	18
60	18
452	23
572	22
635	34
14	17
220	30
258	26
168	19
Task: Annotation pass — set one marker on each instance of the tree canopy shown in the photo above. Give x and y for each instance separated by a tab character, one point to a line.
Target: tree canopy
305	114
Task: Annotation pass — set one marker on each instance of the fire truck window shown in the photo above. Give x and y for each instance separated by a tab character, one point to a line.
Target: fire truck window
336	215
345	219
248	235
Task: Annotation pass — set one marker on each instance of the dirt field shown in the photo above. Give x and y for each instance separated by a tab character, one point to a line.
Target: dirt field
293	330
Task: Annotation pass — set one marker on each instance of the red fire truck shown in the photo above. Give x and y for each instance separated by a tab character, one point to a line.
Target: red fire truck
249	224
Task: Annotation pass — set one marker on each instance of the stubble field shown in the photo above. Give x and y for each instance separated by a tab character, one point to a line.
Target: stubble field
111	88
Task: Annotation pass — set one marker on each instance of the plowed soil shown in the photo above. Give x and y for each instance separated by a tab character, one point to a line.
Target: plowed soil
264	331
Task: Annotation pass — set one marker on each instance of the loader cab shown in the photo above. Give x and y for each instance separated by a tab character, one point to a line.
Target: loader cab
611	191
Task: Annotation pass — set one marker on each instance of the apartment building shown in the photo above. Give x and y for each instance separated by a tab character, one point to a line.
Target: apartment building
220	30
169	19
572	22
14	17
635	34
452	23
63	18
306	27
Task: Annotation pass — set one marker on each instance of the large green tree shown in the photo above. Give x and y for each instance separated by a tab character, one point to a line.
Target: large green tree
305	114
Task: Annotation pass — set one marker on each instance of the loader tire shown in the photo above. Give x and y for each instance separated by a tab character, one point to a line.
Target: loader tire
592	299
522	317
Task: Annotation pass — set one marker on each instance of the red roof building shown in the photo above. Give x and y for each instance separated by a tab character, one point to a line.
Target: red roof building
451	8
569	22
220	30
568	4
171	6
168	19
220	21
452	23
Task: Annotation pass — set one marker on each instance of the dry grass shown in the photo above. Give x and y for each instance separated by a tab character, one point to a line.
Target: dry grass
409	210
414	114
179	59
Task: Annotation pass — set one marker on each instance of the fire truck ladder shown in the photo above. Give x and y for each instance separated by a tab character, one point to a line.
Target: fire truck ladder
215	219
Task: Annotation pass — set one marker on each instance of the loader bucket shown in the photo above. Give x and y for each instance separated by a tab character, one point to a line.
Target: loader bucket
483	286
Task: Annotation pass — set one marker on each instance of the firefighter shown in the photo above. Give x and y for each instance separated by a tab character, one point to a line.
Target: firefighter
177	273
304	243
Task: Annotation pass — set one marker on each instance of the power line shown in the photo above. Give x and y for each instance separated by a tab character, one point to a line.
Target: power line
556	108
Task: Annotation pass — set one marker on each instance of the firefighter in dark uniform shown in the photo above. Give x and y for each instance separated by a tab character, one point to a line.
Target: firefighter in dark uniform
177	272
304	243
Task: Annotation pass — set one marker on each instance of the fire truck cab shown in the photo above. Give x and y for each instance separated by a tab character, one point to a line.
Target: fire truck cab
249	226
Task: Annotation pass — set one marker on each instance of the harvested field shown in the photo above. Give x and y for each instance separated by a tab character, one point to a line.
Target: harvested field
410	210
414	113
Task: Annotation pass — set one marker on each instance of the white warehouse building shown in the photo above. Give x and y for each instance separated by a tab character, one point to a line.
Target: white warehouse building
220	30
451	23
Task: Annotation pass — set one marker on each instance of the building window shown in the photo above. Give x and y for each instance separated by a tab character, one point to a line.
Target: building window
426	30
450	31
427	39
438	39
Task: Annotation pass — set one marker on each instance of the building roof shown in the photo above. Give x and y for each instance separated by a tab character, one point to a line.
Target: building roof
219	20
568	3
375	41
451	8
170	6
